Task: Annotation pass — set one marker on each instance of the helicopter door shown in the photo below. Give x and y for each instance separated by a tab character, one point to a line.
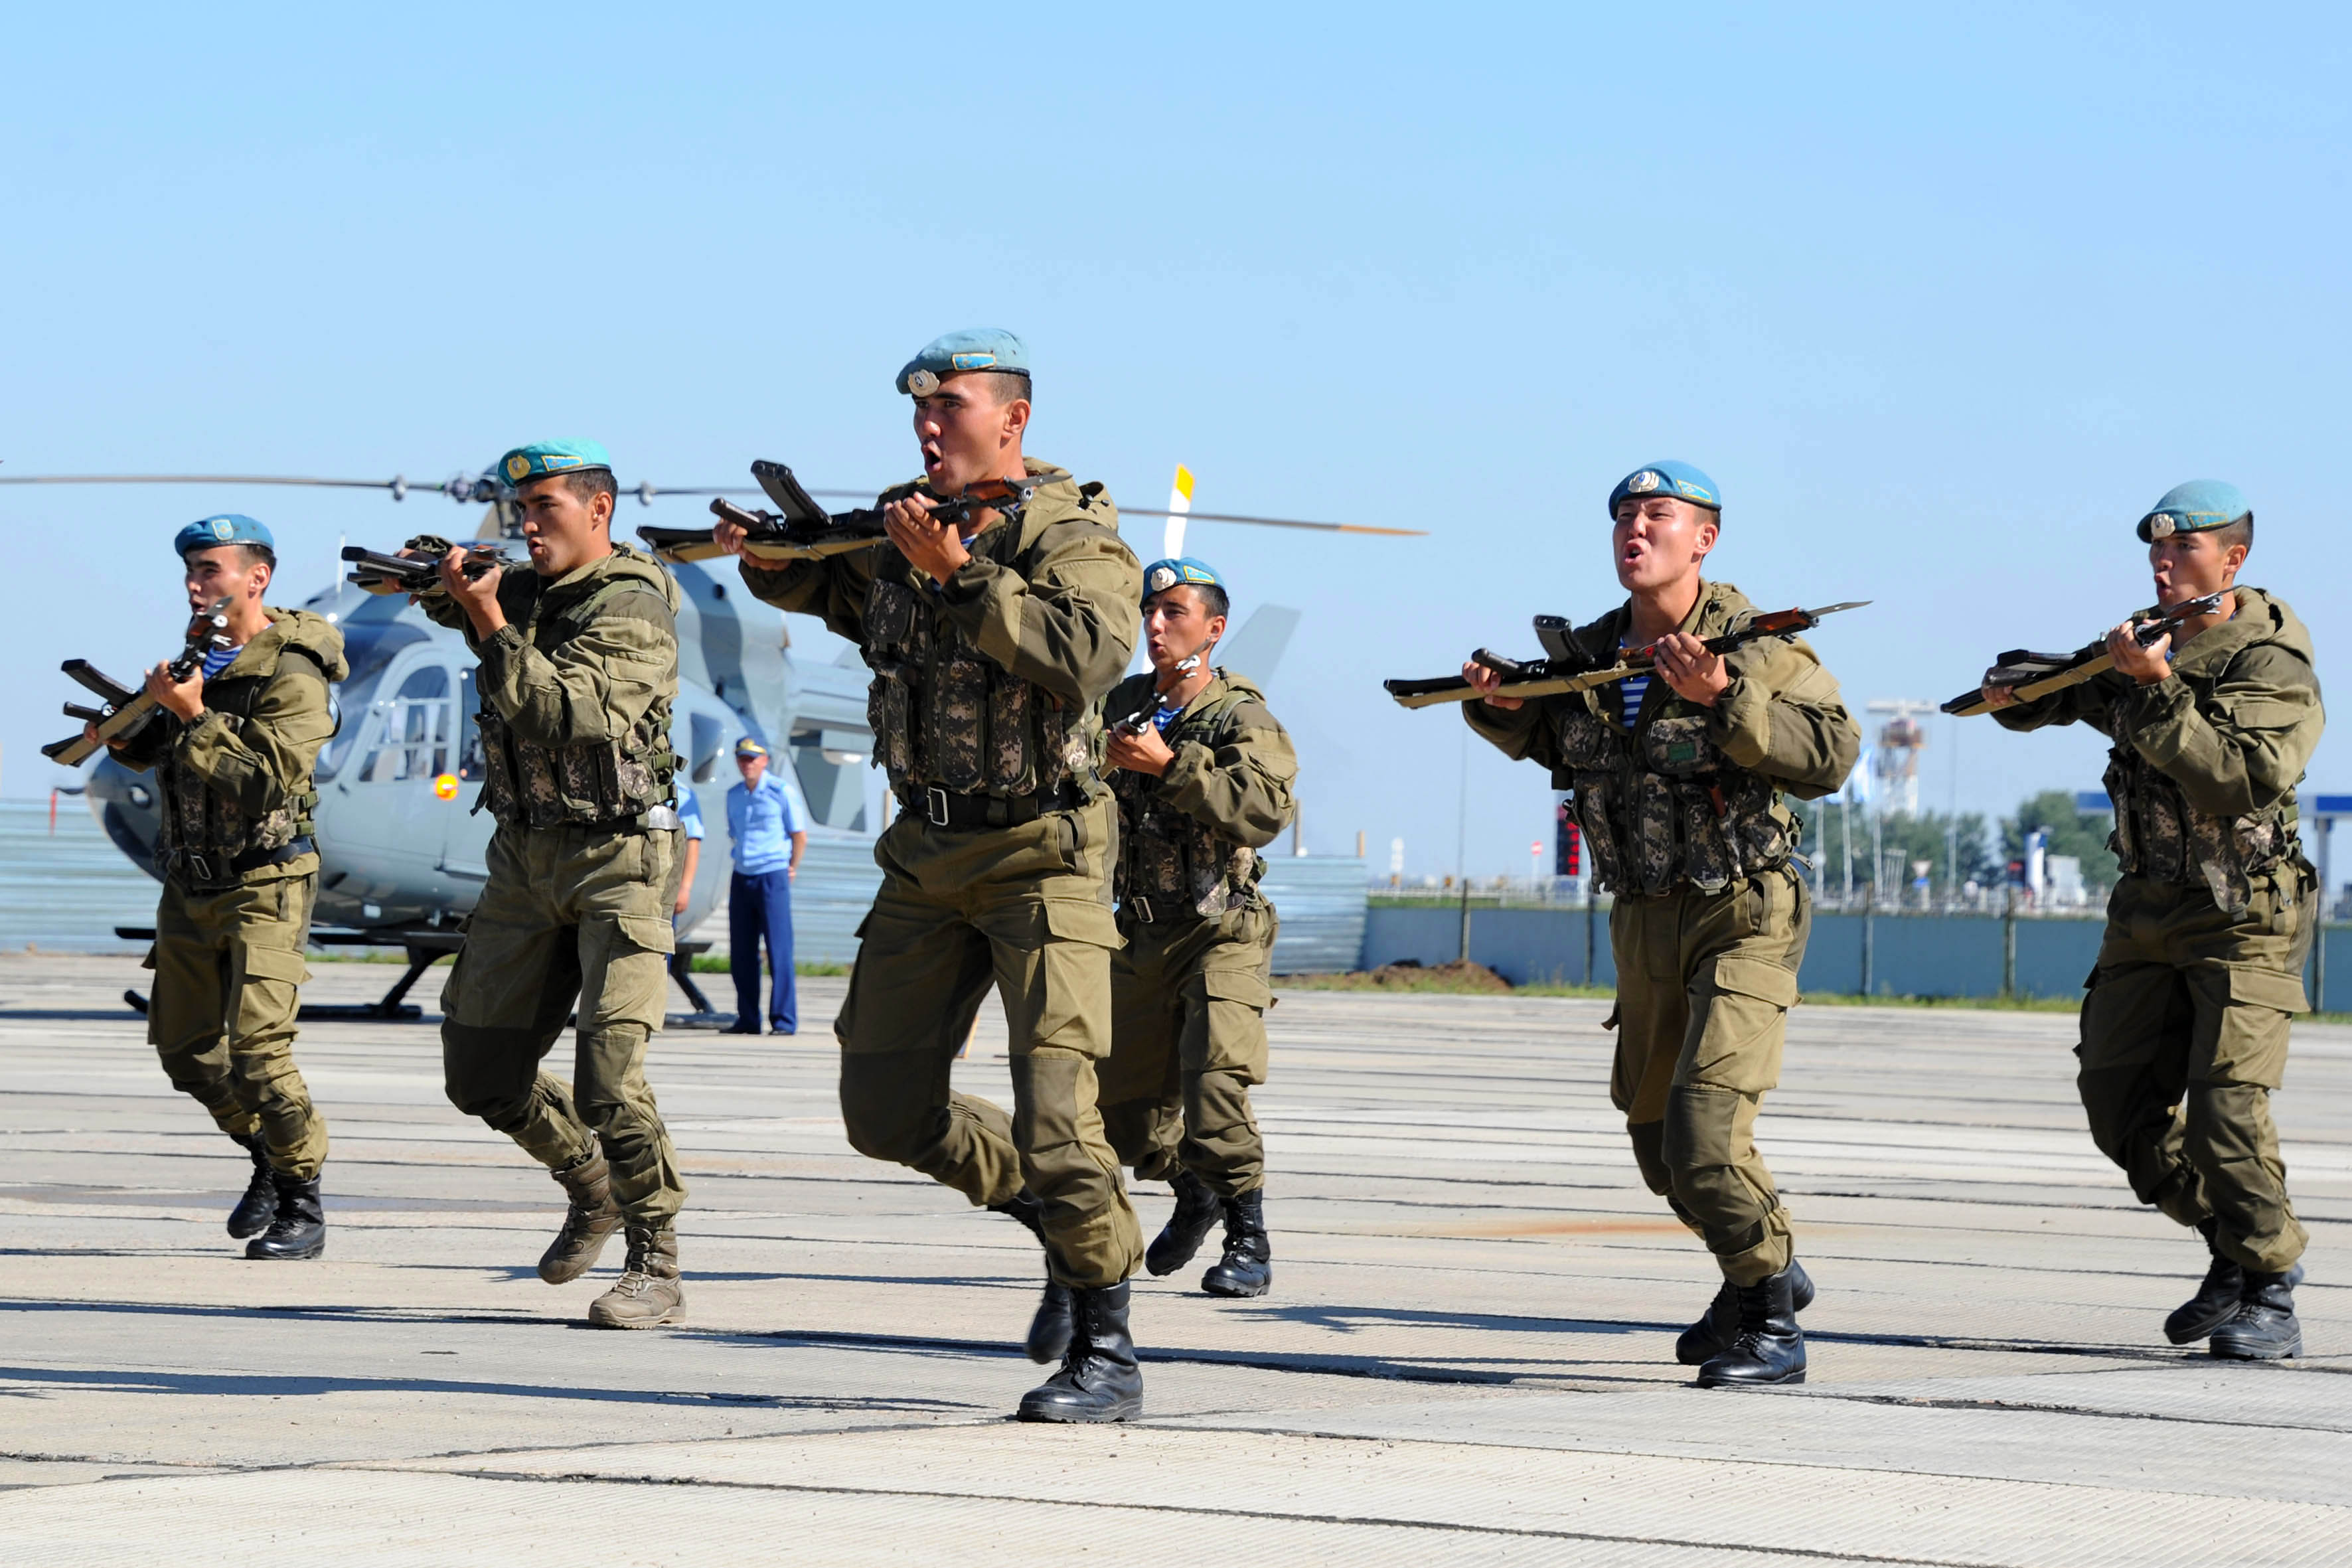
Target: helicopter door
466	838
406	759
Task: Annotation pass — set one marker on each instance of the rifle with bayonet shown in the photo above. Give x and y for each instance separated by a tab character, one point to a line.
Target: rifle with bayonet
1139	721
377	573
127	710
1567	666
800	530
2032	675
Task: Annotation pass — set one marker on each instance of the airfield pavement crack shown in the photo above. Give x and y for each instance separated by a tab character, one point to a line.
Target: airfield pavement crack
1371	1521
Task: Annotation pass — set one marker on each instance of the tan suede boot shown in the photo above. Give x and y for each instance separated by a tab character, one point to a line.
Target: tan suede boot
647	1292
587	1226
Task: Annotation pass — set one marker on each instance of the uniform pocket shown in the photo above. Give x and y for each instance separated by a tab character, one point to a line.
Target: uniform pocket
1067	1001
1082	920
275	963
2268	988
648	933
1241	985
1757	977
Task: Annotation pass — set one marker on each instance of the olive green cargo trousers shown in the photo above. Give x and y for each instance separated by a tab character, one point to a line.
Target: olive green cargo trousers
228	977
1188	1041
1024	909
1705	982
568	916
2184	1037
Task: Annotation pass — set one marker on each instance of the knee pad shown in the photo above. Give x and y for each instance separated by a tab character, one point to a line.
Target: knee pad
1649	1141
882	1107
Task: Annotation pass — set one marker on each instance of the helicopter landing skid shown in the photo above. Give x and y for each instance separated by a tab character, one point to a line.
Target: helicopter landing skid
423	949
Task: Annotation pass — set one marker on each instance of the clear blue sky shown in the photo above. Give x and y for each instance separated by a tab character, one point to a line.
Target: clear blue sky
1943	302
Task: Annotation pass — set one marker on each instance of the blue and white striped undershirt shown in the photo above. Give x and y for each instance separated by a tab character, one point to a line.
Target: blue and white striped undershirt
1631	687
220	658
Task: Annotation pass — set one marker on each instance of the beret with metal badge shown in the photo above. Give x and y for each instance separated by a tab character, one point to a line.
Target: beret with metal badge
1162	575
1680	481
228	527
975	348
2193	507
541	459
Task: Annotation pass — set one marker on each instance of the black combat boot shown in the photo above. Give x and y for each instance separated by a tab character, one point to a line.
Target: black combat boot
2262	1327
588	1223
2216	1301
1099	1380
1247	1267
1719	1325
1050	1327
298	1228
251	1215
1769	1348
1197	1209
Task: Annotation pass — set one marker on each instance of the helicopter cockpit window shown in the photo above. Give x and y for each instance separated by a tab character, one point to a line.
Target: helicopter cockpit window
414	730
703	738
469	755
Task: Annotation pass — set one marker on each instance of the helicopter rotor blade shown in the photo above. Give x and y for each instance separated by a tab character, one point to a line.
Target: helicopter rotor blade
470	490
396	482
1278	522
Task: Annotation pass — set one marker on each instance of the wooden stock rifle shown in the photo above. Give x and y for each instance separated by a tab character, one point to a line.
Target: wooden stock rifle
2032	675
1567	667
800	530
127	710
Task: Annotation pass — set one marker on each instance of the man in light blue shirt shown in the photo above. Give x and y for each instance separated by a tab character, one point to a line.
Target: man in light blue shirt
769	831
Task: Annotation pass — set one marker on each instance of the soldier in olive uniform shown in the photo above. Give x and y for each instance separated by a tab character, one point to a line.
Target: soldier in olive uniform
579	669
1202	775
232	748
2185	1024
991	646
1678	783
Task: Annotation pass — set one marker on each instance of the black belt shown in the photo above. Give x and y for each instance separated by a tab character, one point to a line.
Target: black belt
945	808
195	869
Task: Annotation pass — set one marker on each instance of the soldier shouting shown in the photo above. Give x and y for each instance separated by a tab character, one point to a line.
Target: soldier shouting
1678	784
2184	1030
234	747
991	646
579	669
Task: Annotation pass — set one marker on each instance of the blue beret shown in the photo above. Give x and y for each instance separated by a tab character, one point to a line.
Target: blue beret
975	348
2193	507
541	459
229	528
1162	575
1679	480
748	747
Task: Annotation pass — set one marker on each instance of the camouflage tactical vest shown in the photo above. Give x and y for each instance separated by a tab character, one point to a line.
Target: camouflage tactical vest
602	783
204	834
1168	856
1660	804
2160	836
947	716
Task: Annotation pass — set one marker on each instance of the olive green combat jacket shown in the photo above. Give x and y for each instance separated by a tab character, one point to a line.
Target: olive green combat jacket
2233	724
1781	727
1232	774
1068	627
2206	761
252	761
595	688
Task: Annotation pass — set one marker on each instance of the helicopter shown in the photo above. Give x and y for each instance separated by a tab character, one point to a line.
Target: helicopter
402	847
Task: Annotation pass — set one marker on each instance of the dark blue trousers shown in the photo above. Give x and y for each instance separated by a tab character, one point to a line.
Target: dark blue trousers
760	905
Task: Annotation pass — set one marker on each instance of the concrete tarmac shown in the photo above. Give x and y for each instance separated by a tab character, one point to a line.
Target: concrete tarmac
1467	1356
